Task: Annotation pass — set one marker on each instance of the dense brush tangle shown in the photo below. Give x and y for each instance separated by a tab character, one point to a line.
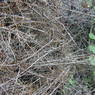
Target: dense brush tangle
43	48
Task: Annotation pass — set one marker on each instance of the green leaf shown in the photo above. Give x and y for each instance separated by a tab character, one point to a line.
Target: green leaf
72	81
94	73
92	48
91	36
92	60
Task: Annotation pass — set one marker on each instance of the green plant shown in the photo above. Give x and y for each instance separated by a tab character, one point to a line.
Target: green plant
91	36
72	82
92	60
92	48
